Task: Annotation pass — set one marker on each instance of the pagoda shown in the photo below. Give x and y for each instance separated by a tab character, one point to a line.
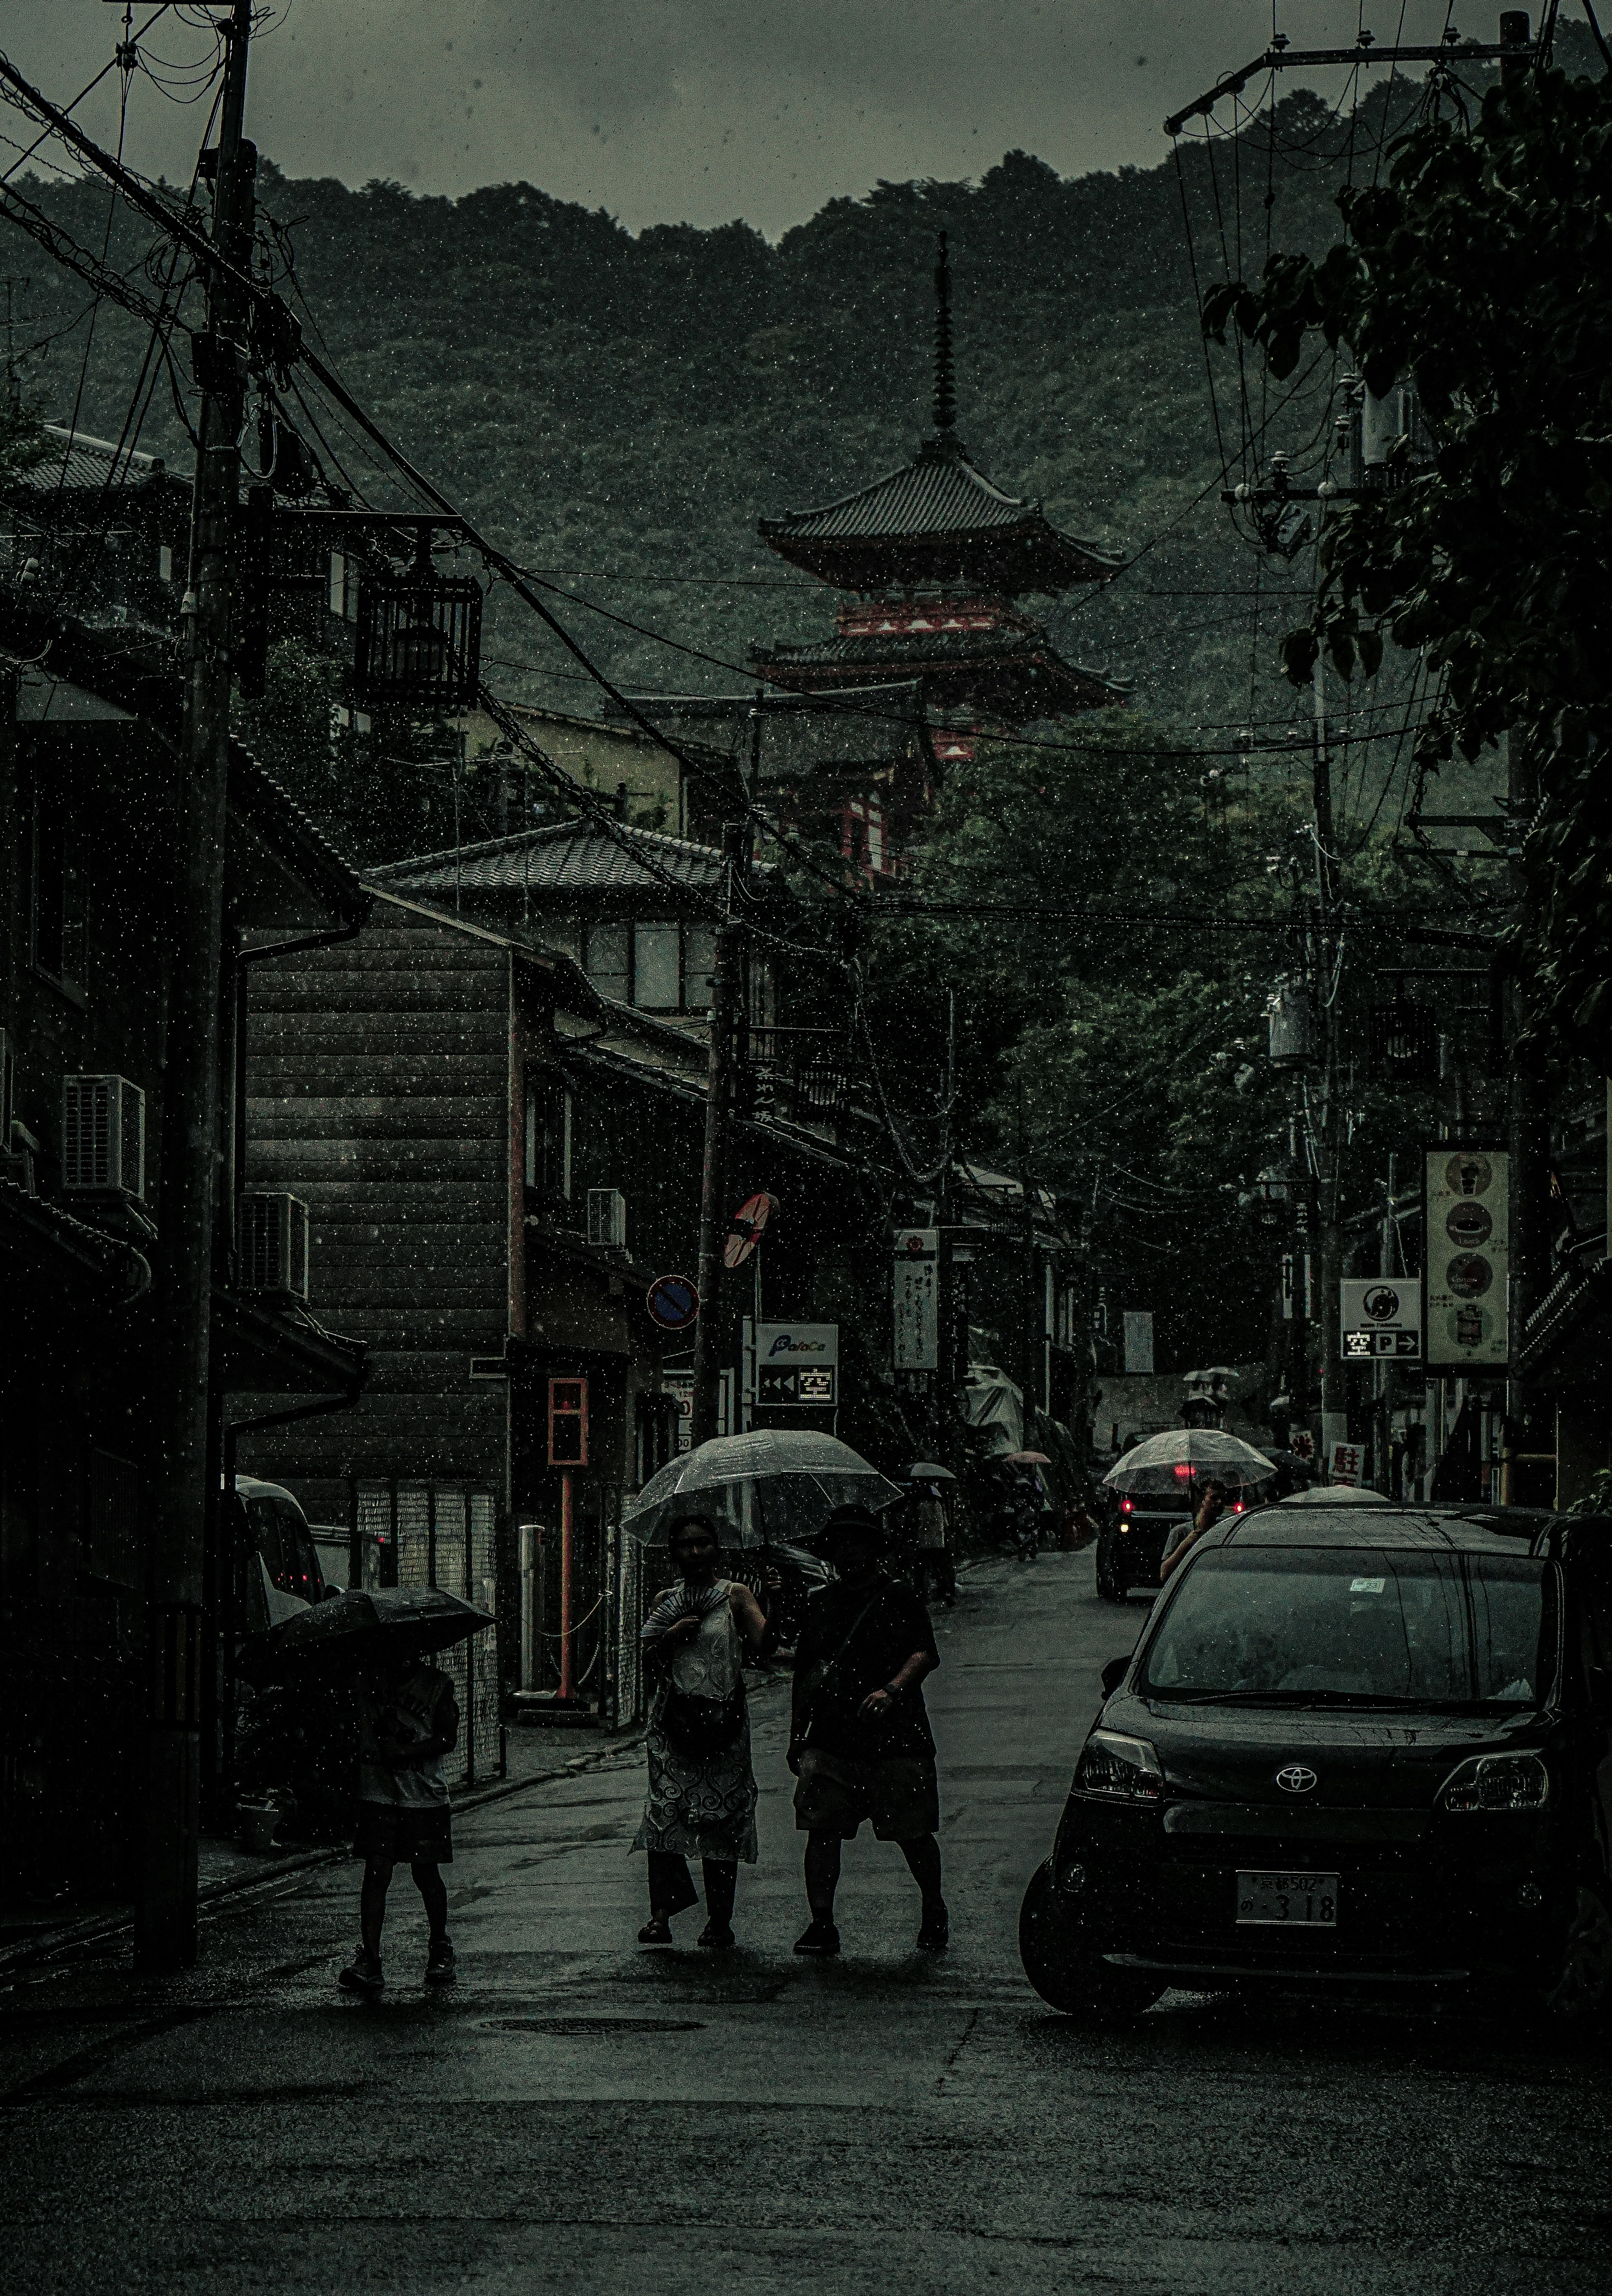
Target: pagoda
935	559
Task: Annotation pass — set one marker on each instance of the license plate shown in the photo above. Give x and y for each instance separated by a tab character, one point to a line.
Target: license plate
1309	1900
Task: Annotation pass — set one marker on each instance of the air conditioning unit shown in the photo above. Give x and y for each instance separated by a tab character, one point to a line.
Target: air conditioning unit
607	1220
271	1243
102	1135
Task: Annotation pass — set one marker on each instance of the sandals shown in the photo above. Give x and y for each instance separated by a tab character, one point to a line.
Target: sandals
656	1930
716	1937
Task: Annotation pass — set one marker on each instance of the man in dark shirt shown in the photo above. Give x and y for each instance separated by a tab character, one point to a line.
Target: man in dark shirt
860	1743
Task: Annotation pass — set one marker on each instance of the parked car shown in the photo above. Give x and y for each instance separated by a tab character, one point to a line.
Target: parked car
294	1747
334	1545
281	1572
1132	1545
1354	1747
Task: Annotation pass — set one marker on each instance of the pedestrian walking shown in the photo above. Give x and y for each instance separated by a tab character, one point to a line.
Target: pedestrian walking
701	1801
408	1721
1212	1505
936	1575
860	1742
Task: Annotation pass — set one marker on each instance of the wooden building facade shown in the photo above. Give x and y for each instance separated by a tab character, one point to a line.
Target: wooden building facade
498	1161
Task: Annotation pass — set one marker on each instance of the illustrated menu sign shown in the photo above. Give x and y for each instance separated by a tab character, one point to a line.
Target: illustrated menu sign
916	1345
1468	1257
1380	1316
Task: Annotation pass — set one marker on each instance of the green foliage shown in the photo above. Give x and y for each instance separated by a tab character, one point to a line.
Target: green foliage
23	445
619	410
1482	268
1116	1056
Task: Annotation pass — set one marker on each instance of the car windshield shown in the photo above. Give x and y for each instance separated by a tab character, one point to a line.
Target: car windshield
1357	1626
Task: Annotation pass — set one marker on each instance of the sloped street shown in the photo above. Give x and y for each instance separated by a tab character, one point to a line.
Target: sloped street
582	2114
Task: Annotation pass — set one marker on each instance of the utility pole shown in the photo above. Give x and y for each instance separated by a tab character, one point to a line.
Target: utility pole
1334	1413
719	1092
165	1908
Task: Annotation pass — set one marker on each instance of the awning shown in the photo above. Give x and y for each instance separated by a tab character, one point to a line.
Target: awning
77	1262
260	1350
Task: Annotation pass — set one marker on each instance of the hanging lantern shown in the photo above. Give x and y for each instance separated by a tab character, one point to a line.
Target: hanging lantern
419	638
1291	1015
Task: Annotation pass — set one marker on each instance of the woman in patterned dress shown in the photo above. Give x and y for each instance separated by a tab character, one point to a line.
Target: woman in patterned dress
702	1788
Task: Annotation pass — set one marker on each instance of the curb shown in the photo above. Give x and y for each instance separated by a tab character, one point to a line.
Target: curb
47	1944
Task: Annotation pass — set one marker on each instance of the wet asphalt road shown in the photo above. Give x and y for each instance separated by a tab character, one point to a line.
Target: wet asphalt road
581	2114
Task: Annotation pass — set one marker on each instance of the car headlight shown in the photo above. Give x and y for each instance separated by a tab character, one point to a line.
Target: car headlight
1498	1782
1118	1768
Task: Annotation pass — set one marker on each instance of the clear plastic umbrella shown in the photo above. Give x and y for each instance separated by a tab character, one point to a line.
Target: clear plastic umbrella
1167	1465
771	1487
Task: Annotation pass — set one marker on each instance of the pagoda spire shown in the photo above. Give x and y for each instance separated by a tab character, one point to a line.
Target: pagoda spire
946	381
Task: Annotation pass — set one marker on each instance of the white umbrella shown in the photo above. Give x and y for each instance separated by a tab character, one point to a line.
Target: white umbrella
1335	1495
771	1487
1168	1464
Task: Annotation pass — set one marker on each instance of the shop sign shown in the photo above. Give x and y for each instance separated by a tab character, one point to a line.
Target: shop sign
1468	1257
1378	1317
915	1343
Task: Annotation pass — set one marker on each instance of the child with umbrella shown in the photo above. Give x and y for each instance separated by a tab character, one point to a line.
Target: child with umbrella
381	1639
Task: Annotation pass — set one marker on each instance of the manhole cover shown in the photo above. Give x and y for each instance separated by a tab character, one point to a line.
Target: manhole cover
581	2025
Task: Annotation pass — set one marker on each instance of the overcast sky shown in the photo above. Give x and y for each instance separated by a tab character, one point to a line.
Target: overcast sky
695	110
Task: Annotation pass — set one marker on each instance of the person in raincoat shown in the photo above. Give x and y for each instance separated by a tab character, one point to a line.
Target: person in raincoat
701	1801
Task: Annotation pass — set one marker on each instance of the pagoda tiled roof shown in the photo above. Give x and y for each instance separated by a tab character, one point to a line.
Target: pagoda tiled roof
937	516
1005	650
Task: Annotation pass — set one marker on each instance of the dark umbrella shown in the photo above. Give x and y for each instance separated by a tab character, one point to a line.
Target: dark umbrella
353	1630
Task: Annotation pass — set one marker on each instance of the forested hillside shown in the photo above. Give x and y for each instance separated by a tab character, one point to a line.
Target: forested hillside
618	410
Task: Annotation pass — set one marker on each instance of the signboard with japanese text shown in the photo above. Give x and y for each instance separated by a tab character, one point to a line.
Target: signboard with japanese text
1344	1462
916	1326
1139	1338
794	1365
1467	1258
1380	1316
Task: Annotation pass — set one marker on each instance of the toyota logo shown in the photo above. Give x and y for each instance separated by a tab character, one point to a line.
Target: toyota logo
1296	1778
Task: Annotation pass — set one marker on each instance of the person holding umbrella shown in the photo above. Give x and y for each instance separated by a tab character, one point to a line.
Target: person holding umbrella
379	1639
701	1801
408	1720
860	1742
1211	1506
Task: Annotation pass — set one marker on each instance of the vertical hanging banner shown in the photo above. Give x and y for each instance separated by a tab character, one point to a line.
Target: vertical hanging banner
916	1343
1467	1324
1139	1338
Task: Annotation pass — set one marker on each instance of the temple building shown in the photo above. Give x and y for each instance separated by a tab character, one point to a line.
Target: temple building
846	739
935	560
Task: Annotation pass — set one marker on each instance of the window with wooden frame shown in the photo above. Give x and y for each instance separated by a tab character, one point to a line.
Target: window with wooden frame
548	1135
658	964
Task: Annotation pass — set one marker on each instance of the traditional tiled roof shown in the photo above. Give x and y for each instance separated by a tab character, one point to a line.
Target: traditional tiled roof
278	816
567	856
78	463
938	517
